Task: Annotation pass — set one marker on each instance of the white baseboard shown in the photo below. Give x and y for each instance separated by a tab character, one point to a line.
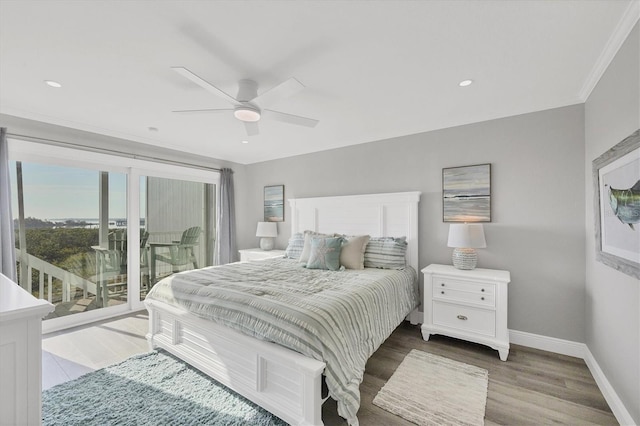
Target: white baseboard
551	344
578	350
619	410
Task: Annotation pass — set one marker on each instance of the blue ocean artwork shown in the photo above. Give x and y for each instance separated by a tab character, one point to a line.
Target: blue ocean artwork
274	203
466	193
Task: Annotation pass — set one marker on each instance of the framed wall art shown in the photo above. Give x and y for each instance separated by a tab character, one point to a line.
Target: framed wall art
466	193
616	179
274	203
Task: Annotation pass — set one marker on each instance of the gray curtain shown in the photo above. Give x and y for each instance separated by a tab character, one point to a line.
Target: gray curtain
7	238
225	247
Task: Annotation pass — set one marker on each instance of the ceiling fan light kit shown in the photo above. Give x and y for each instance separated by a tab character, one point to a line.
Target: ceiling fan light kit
247	114
248	104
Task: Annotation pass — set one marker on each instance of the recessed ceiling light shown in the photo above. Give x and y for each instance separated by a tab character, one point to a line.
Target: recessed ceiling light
245	141
465	83
52	83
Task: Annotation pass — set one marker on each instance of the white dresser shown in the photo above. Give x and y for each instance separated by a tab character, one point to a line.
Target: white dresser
259	254
469	305
20	354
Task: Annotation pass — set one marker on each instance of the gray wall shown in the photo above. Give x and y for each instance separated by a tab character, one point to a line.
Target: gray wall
537	231
612	113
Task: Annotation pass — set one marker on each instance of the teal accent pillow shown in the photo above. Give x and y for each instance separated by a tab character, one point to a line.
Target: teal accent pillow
325	253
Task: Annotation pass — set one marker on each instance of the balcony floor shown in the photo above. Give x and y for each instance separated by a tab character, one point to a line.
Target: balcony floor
81	305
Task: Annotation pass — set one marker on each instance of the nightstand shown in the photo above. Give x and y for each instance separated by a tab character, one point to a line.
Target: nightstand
467	304
259	254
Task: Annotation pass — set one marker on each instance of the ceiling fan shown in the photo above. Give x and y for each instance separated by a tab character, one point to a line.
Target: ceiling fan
247	105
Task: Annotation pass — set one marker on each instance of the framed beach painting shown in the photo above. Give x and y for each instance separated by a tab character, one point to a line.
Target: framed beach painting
274	203
466	193
616	178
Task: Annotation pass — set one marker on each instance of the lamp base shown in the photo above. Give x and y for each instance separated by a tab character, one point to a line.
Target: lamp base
464	258
267	243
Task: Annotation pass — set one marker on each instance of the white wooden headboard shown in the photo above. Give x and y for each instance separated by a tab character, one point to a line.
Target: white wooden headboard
378	215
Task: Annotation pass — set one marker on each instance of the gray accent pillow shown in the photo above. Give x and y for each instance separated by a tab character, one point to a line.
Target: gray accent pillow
352	254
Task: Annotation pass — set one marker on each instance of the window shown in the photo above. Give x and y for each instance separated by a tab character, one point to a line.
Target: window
76	242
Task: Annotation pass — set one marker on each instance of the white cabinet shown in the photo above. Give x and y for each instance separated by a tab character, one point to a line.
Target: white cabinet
259	254
20	354
467	304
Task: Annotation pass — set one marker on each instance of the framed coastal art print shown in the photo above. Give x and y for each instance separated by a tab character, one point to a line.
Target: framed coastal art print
616	178
466	193
274	203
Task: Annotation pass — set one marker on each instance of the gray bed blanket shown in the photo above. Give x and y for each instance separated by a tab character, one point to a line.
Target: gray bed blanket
338	317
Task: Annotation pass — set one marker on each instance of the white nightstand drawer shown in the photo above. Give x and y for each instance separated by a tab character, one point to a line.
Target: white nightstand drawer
448	283
465	318
457	296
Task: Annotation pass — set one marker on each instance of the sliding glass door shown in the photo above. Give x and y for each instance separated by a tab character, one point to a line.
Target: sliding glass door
94	232
71	235
179	227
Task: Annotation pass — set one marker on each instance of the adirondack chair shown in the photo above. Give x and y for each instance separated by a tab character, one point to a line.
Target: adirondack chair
112	263
181	252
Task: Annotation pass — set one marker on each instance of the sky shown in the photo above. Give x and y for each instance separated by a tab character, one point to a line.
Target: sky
59	192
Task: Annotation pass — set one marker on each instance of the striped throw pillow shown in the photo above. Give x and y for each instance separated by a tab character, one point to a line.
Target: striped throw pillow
386	253
294	248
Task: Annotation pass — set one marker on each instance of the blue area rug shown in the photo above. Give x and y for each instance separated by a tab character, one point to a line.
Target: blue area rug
150	389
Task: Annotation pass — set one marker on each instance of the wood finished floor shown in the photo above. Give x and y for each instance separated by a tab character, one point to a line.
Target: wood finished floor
69	354
533	387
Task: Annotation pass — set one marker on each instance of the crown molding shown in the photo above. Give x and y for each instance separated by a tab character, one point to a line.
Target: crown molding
629	18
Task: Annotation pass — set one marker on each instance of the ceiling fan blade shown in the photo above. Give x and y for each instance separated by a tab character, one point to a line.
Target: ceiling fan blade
289	118
204	84
201	111
281	91
252	128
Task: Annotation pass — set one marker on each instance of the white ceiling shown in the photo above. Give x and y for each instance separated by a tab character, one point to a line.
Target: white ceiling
372	69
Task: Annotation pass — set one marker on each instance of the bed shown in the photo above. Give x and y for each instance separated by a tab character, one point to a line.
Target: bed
285	380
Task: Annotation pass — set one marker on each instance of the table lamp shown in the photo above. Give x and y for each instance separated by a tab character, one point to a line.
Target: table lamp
465	238
267	231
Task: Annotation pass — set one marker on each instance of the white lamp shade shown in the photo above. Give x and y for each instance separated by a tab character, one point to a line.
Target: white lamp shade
267	229
467	235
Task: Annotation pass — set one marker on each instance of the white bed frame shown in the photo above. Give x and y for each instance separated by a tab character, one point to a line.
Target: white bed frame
282	381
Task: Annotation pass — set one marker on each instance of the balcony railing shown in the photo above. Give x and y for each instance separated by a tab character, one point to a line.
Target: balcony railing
56	285
70	282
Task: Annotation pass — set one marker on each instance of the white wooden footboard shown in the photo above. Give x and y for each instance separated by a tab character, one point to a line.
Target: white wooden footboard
284	382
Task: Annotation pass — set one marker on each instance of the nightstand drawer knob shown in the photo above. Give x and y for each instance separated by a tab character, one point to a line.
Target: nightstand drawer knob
442	292
442	285
482	290
462	317
482	298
